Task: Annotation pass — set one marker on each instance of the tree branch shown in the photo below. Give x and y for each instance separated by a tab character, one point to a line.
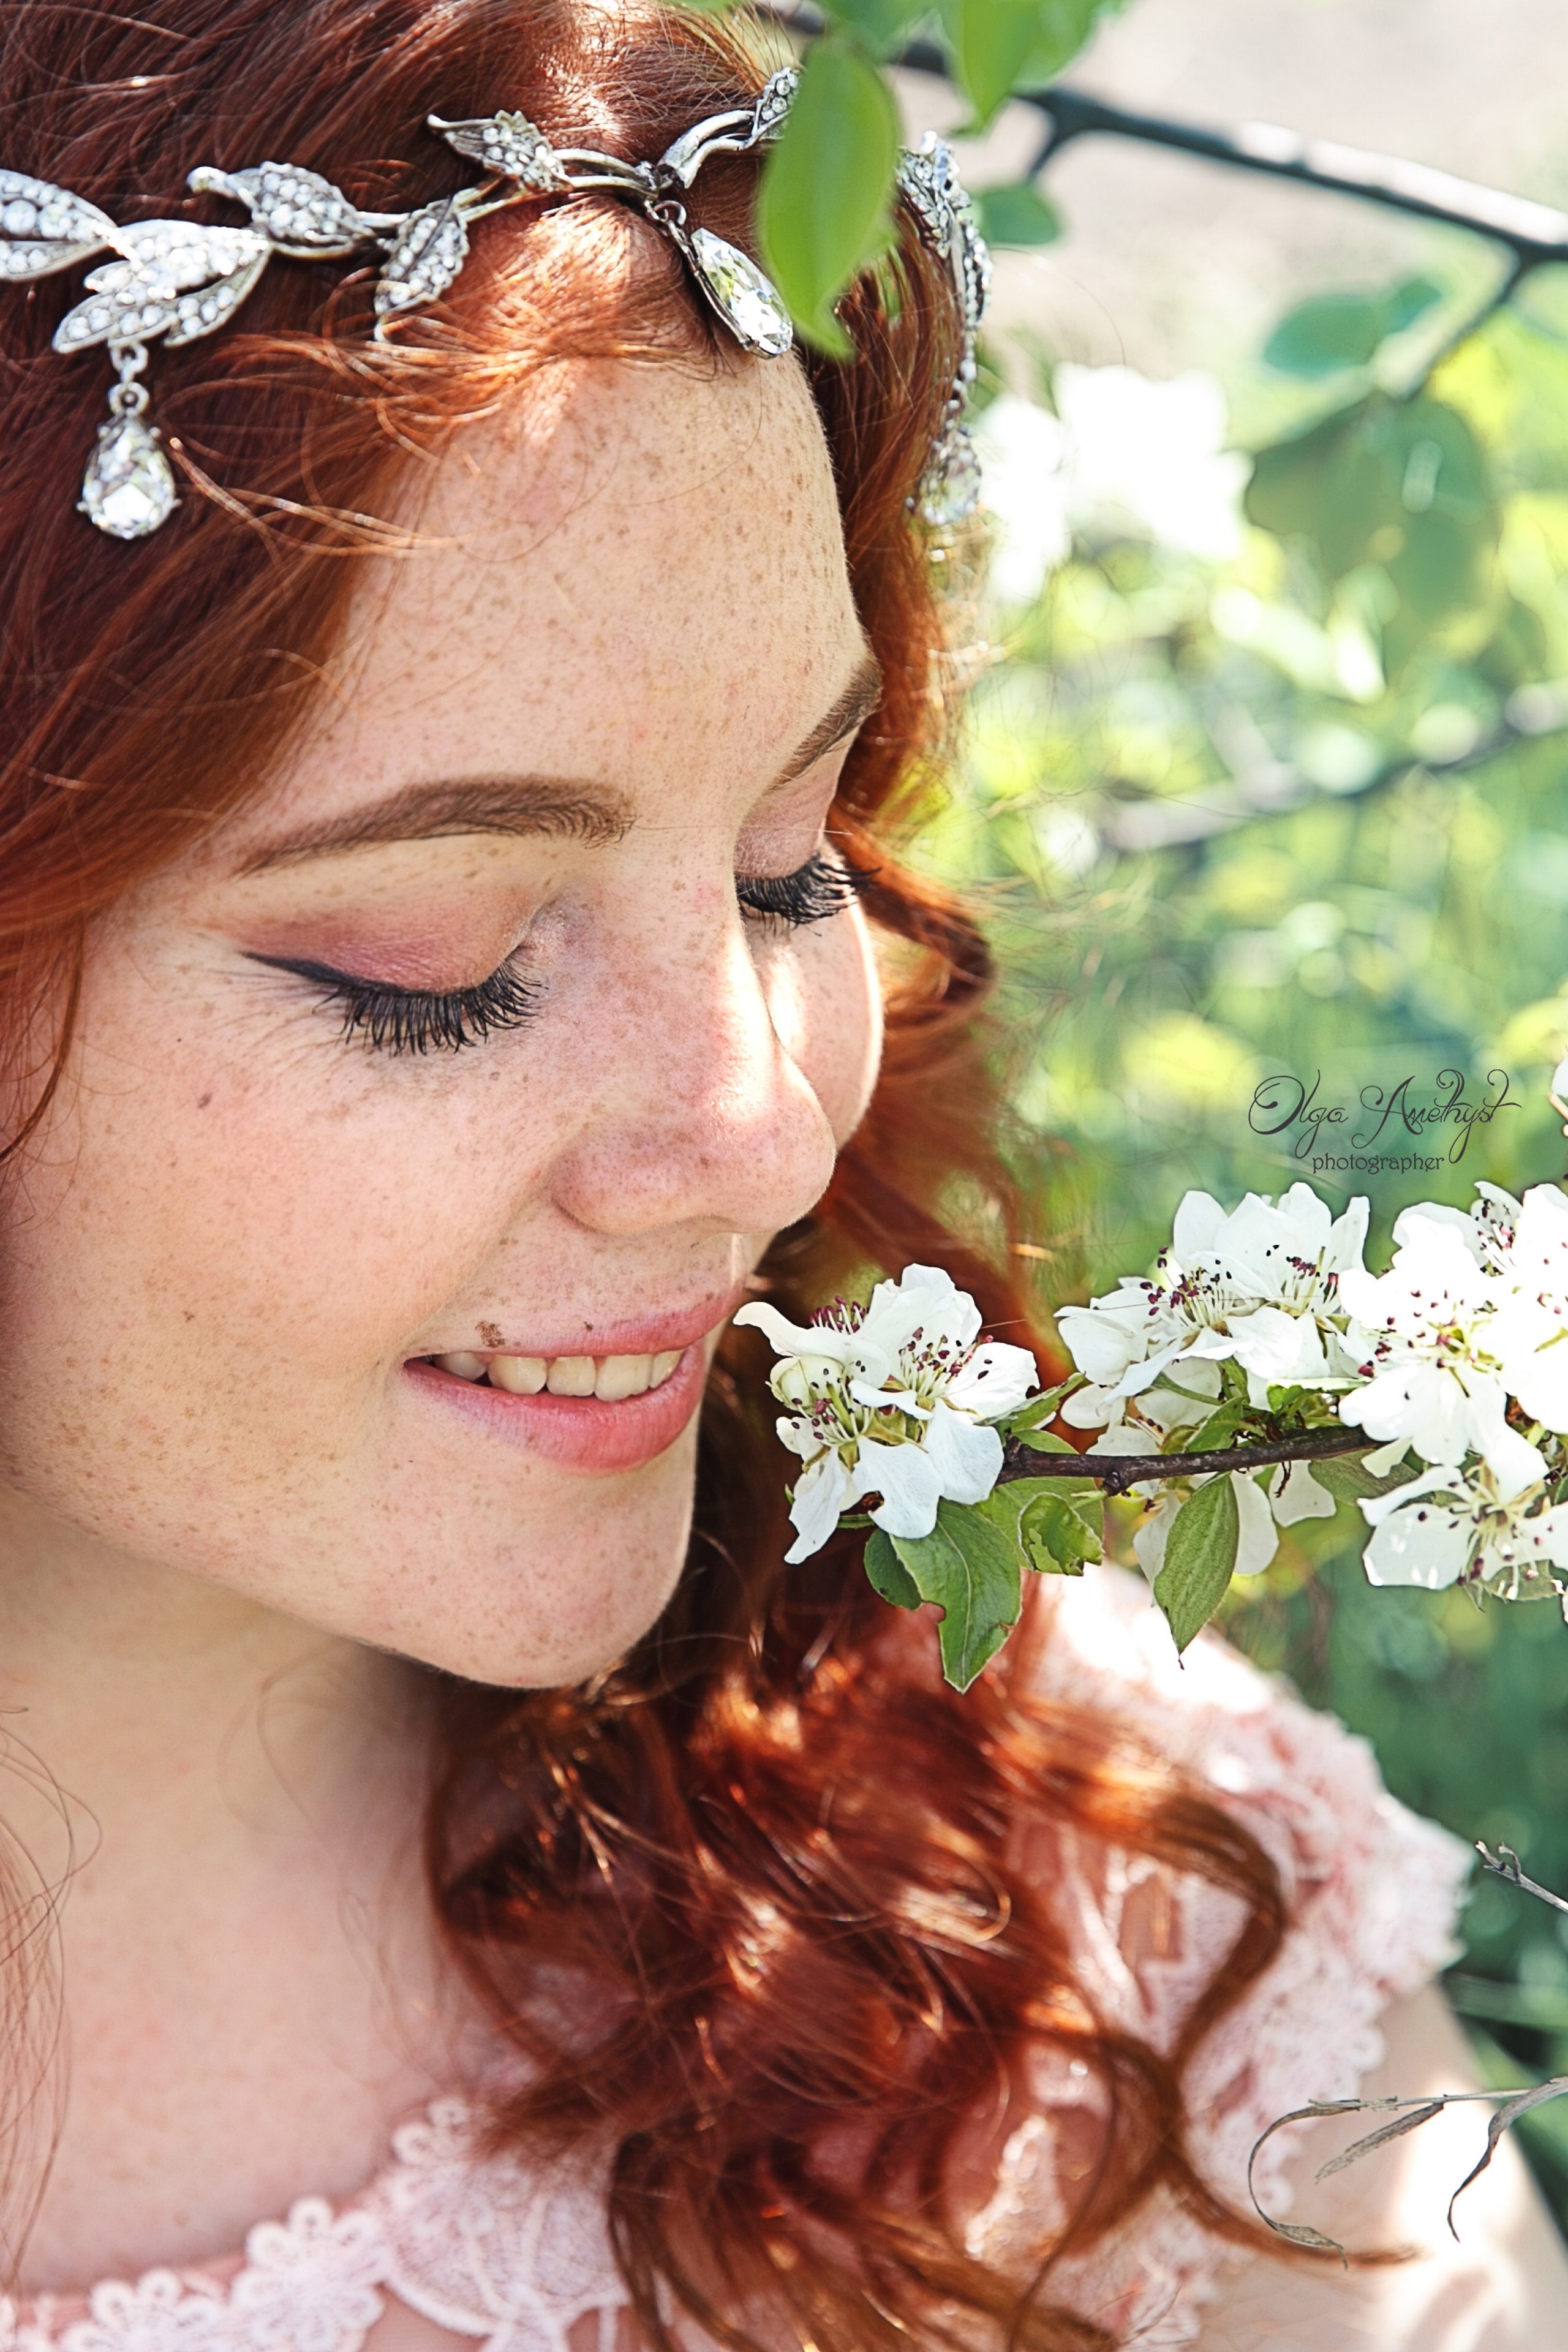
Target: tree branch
1504	1864
1533	233
1117	1472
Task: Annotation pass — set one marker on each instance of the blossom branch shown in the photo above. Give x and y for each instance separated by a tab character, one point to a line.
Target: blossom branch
1117	1472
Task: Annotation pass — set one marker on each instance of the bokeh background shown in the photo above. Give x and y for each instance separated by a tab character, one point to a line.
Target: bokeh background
1266	768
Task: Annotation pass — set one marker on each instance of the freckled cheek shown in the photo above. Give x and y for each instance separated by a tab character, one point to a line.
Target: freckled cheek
838	1016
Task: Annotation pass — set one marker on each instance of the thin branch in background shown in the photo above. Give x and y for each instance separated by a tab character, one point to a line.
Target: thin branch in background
1534	234
1407	2115
1505	1865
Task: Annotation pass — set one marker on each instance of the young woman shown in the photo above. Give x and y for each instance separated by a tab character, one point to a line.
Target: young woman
459	1884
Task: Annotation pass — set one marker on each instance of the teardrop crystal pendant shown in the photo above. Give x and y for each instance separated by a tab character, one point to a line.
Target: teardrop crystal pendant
128	487
748	302
953	488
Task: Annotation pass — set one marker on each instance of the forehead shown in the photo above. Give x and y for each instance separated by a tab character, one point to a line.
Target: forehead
638	573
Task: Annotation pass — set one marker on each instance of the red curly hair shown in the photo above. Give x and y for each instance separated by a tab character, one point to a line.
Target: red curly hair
778	1853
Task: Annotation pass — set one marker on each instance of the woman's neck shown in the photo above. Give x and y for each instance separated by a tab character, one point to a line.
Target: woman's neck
227	1807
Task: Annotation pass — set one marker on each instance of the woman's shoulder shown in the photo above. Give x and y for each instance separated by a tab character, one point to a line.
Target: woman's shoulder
1371	1894
1360	1872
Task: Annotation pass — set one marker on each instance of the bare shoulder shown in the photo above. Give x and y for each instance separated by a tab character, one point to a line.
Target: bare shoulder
1502	2288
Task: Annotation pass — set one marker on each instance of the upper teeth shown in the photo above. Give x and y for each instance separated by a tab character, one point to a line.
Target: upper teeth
610	1377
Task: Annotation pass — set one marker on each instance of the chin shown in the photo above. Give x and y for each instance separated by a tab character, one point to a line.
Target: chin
525	1631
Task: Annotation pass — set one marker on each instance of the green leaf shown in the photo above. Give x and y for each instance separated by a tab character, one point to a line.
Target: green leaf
1332	331
1018	215
880	24
1042	1441
1403	484
1219	1429
1001	46
1063	26
1036	1413
990	42
1411	300
1200	1559
1055	1523
824	211
968	1566
1349	1480
888	1574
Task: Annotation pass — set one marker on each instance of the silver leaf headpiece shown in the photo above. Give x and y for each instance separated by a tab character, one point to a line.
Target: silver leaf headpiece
177	280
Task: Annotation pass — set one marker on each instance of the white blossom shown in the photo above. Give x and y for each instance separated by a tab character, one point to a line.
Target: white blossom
1424	1332
1530	1335
893	1398
1149	458
1124	456
1259	1286
1448	1523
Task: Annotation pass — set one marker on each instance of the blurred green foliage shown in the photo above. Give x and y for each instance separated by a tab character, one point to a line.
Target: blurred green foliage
827	188
1302	812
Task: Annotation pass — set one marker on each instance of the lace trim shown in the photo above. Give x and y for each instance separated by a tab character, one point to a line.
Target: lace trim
486	2247
1373	1891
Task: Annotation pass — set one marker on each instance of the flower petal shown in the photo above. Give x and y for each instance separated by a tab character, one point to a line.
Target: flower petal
1422	1544
1200	1226
1105	1339
1294	1494
824	1488
908	1481
1149	1536
787	1338
992	1380
1093	1408
1259	1538
967	1454
1547	1536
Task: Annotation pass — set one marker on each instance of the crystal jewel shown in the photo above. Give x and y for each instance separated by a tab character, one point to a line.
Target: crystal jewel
951	489
423	258
128	487
746	301
509	143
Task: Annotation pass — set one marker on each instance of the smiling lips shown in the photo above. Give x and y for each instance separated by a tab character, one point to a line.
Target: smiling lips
611	1379
616	1412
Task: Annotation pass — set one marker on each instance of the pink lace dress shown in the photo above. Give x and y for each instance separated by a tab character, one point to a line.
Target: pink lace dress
518	2258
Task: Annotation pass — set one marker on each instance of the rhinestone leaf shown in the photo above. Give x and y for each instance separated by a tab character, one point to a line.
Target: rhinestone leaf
131	300
951	487
297	211
423	258
205	312
773	105
509	145
44	228
930	183
748	302
129	487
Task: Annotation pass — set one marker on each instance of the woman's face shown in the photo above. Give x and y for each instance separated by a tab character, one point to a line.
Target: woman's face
621	672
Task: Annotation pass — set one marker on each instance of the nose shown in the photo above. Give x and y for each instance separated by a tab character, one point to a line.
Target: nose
697	1115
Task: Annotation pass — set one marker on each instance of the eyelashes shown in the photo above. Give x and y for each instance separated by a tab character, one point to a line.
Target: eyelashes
394	1020
416	1020
824	886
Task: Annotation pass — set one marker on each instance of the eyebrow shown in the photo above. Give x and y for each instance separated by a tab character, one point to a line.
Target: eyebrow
851	710
561	810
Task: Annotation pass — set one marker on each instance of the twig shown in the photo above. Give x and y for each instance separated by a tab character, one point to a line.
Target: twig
1117	1472
1535	234
1504	1864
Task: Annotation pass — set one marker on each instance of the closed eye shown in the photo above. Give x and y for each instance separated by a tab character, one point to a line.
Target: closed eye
416	1020
824	886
